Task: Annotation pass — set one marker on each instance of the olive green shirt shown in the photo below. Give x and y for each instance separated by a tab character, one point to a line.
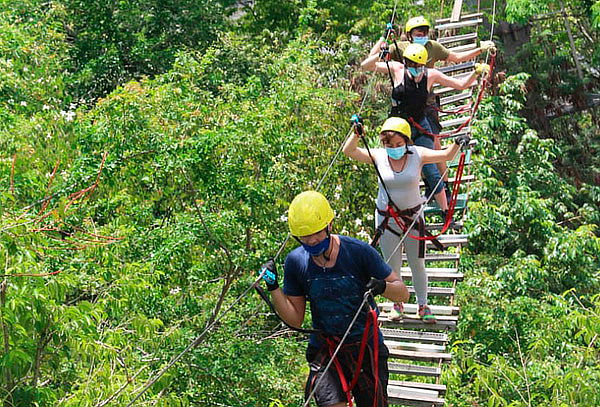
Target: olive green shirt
435	52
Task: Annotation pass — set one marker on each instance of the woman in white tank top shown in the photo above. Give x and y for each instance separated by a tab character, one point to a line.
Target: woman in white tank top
399	164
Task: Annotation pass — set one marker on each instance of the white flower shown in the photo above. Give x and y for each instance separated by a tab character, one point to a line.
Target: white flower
358	222
175	290
354	39
283	218
69	116
23	103
46	107
369	216
363	234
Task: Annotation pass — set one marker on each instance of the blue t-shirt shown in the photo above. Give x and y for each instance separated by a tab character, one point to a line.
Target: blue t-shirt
335	293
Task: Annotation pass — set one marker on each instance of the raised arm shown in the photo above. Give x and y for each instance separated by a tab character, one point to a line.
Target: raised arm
468	55
434	76
374	64
290	309
429	156
352	150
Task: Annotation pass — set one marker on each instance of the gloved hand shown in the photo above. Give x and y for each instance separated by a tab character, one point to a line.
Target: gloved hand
357	122
482	69
389	28
385	51
487	46
462	140
270	275
377	287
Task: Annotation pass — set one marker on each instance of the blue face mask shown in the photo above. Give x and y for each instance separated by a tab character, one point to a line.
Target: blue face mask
396	153
415	71
317	249
421	40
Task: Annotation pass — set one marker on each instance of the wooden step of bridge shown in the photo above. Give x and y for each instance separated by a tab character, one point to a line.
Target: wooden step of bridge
386	307
456	98
412	335
461	18
443	323
408	396
413	370
459	24
416	356
440	388
430	257
436	276
457	38
457	67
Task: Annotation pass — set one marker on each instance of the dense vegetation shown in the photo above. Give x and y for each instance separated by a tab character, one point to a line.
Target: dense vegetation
149	151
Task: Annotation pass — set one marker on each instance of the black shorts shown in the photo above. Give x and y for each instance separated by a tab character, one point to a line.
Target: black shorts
330	390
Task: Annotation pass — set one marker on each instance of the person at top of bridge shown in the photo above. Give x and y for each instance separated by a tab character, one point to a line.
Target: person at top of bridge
333	273
399	165
411	84
417	31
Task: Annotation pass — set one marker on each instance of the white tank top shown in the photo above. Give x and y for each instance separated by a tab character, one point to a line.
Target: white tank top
403	186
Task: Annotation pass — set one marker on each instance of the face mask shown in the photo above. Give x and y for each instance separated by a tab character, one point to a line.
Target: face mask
317	249
396	153
415	71
421	40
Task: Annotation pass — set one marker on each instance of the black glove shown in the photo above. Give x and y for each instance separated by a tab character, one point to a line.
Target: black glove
389	28
270	275
357	122
462	140
377	287
384	51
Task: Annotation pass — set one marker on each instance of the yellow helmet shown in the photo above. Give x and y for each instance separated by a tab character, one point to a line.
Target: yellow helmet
396	124
309	213
416	22
416	53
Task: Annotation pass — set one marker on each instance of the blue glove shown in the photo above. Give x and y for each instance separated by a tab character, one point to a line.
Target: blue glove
270	275
388	29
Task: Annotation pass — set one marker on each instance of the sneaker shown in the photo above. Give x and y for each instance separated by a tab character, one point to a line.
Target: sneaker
426	314
397	312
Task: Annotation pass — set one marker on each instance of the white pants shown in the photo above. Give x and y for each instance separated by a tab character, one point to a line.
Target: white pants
388	244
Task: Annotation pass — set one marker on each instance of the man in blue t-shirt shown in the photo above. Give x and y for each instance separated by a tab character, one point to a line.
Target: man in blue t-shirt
333	273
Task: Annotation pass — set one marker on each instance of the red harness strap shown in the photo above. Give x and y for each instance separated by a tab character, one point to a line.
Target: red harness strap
451	205
332	344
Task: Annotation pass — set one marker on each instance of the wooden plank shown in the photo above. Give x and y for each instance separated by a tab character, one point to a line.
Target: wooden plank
463	48
454	122
453	133
412	308
462	17
419	336
457	38
413	324
414	346
442	91
440	388
460	24
456	9
434	357
456	98
435	291
436	276
463	109
405	397
413	370
438	257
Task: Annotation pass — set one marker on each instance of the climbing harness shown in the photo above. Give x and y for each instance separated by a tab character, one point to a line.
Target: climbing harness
401	217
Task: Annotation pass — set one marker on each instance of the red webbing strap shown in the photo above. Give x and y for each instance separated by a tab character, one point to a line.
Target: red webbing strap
332	344
451	205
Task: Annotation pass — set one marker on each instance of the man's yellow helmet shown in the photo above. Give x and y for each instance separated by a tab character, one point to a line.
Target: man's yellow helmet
417	22
309	213
397	124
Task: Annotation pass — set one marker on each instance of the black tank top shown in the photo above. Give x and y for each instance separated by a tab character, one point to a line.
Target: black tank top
409	99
